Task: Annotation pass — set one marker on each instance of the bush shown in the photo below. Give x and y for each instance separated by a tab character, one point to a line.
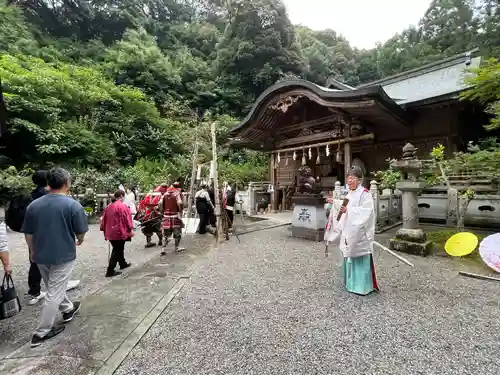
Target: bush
14	183
239	175
388	178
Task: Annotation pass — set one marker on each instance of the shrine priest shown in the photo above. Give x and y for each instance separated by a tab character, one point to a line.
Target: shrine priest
356	231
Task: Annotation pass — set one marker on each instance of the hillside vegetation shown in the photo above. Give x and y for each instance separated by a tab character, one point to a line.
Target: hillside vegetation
123	89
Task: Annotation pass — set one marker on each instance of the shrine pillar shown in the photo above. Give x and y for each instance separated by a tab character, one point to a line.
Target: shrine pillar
347	160
347	154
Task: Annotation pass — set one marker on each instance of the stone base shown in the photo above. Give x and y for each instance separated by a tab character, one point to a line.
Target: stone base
411	241
308	234
309	218
411	235
409	247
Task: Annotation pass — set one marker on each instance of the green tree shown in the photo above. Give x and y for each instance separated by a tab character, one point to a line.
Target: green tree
15	34
326	56
258	44
489	27
137	61
449	26
486	90
61	112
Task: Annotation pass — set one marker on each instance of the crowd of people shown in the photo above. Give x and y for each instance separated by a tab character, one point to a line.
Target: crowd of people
159	214
54	224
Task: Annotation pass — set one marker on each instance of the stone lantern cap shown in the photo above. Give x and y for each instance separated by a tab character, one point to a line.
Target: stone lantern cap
409	163
409	152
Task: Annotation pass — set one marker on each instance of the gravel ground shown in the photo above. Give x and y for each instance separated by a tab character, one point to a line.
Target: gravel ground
92	260
275	305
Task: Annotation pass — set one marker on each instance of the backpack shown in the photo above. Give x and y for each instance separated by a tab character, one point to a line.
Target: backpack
14	215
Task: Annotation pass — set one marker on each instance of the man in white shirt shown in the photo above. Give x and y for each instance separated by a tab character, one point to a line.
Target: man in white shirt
204	207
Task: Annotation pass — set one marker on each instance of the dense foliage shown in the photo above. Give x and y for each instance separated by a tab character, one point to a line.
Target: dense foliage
125	88
486	90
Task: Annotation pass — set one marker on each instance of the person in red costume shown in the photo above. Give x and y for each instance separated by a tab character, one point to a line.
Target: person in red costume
171	207
150	217
118	228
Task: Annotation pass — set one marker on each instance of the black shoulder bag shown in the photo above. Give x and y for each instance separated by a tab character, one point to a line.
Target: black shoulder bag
9	301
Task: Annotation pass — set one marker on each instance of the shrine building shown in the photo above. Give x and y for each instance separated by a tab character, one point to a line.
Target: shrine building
333	128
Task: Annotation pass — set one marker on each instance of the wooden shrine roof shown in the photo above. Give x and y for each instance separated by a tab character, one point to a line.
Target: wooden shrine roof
436	81
272	119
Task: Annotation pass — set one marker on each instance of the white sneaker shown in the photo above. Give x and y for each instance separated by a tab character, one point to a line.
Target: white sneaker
72	284
34	300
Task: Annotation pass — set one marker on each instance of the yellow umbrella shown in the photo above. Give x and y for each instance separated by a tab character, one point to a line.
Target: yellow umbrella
461	244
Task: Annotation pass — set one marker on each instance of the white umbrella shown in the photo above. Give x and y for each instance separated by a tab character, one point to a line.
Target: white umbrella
489	249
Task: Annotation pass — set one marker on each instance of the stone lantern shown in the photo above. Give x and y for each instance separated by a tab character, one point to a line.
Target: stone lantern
410	239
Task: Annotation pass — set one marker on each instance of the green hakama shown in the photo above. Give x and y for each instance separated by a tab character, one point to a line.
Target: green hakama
359	275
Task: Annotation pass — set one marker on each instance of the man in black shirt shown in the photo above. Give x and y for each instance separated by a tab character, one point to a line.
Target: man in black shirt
205	208
34	277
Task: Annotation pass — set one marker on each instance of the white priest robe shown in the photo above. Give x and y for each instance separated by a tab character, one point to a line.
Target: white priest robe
355	233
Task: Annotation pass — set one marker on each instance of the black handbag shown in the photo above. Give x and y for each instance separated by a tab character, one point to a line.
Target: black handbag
9	301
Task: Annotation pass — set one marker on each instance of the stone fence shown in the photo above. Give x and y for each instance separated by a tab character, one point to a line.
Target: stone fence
249	199
103	200
435	205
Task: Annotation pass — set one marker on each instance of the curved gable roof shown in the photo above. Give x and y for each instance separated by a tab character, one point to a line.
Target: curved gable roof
349	101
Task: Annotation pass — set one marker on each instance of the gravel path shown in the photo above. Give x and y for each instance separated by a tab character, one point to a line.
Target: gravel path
275	305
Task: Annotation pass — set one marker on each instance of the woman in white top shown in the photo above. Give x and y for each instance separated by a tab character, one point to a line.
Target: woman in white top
129	200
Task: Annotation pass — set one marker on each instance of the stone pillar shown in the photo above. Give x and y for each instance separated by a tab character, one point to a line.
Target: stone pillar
410	209
251	201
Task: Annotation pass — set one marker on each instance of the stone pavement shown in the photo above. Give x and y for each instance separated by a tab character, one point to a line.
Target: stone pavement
270	305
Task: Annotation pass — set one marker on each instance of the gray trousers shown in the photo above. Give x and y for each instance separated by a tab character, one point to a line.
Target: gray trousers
56	279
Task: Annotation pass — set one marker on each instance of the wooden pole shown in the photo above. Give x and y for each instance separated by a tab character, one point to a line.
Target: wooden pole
192	185
477	276
394	254
347	155
193	178
272	175
365	137
216	184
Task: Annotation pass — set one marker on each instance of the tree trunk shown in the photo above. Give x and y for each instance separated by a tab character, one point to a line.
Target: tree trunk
463	204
